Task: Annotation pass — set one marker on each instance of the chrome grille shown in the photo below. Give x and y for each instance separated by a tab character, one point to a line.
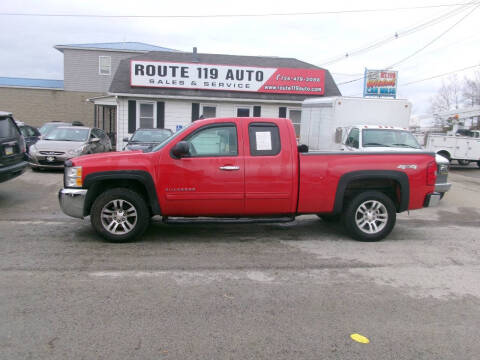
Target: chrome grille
51	153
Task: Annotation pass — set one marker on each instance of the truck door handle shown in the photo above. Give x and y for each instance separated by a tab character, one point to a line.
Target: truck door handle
229	168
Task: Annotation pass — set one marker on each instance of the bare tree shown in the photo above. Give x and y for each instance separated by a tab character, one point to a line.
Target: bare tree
448	97
471	90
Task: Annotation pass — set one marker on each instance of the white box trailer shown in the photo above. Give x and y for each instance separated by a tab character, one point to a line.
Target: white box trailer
322	116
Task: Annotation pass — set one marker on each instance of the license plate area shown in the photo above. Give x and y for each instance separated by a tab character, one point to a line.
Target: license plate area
8	150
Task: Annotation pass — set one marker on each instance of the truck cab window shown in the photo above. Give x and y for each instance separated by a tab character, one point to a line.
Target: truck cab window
264	139
353	138
214	141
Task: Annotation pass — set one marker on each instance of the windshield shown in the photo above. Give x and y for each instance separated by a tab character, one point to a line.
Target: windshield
151	136
7	128
167	140
67	134
47	127
389	138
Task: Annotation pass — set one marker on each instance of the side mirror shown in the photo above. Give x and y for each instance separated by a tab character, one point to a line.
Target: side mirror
125	139
180	149
94	140
302	148
338	135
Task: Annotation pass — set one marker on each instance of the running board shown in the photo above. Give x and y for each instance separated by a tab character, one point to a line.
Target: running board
208	220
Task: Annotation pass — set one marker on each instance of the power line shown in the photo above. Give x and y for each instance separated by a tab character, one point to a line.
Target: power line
419	50
398	34
440	75
434	39
433	77
333	12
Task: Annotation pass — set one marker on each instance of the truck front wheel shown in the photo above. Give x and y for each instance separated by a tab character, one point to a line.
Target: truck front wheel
120	215
369	216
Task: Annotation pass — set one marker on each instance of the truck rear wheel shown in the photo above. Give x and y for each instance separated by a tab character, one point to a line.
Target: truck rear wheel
369	216
120	215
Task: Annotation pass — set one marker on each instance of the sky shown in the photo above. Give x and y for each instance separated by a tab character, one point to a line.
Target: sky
445	46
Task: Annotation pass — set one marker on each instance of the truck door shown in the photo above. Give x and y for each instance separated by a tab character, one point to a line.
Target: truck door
269	169
210	180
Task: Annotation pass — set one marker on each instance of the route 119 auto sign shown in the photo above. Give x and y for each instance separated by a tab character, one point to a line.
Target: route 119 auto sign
158	74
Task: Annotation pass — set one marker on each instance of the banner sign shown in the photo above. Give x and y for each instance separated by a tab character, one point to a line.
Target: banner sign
381	83
159	74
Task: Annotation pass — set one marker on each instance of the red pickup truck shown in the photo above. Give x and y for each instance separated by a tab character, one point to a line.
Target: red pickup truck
245	168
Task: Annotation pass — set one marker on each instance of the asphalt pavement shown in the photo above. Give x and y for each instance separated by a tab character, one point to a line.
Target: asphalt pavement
226	291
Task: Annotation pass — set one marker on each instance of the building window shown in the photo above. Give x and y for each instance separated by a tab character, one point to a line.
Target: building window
295	115
104	65
208	111
243	111
146	115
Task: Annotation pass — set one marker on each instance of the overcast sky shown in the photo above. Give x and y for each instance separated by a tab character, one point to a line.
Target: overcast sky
27	42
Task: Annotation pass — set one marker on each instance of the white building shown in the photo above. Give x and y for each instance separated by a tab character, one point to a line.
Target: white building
167	89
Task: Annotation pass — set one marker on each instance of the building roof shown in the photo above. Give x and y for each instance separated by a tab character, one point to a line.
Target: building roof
121	80
115	46
31	83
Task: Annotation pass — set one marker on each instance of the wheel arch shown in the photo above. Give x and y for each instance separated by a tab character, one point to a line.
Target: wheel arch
138	180
394	184
446	154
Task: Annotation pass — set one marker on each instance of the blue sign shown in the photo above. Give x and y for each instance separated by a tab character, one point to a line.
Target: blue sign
380	83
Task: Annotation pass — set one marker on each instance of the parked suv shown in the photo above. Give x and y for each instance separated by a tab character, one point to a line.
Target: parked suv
65	142
12	148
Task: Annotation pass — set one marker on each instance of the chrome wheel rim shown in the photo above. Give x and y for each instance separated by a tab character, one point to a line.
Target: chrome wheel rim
371	217
119	217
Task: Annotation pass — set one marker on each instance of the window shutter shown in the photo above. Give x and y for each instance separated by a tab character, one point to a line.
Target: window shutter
132	116
257	111
282	112
160	114
195	111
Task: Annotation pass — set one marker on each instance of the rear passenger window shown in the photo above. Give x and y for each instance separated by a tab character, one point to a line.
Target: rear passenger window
264	139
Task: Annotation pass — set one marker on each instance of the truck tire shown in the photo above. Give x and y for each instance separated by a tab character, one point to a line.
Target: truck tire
120	215
369	216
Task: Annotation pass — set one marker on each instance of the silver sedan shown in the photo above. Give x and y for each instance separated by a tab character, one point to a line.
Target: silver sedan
66	142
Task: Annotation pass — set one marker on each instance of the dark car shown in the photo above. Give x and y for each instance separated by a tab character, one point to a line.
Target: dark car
145	139
12	148
30	134
52	125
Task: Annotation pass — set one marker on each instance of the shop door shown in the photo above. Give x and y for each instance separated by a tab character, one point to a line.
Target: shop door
106	119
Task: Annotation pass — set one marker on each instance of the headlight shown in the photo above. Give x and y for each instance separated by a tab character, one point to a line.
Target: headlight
73	176
442	169
77	151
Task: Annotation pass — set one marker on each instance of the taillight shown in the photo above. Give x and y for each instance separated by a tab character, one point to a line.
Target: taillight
431	173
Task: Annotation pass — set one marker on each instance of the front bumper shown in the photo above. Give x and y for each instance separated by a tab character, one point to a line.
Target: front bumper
442	188
48	162
432	200
12	171
72	201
